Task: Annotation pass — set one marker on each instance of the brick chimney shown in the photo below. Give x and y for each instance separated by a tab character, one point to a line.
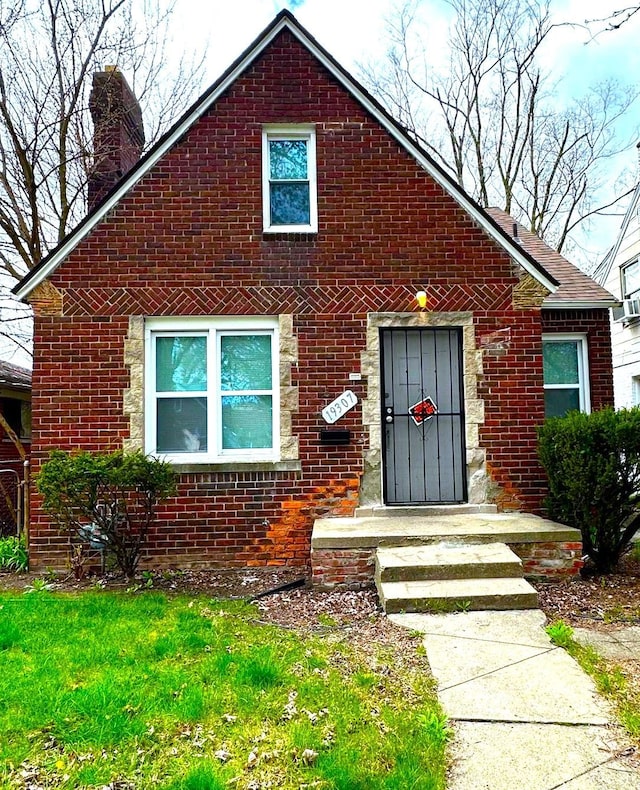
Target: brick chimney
118	132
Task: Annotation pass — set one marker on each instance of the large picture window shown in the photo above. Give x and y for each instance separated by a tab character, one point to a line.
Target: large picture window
566	374
289	179
212	389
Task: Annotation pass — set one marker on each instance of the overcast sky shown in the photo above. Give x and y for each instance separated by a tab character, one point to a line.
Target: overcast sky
353	31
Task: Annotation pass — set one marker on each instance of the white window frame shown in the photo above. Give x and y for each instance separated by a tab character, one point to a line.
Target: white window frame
635	390
635	293
281	132
213	328
583	385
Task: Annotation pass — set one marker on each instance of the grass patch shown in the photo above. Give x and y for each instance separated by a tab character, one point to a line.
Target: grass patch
13	554
194	694
610	679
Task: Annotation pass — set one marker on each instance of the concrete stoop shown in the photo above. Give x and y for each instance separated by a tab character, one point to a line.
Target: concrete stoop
445	577
444	558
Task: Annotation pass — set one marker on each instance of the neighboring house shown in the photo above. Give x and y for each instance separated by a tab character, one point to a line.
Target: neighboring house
15	407
619	273
243	303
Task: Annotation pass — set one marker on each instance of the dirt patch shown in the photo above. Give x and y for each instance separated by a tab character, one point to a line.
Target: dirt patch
598	601
593	601
234	583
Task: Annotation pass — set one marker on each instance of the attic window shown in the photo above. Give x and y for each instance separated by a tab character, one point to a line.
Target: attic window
289	180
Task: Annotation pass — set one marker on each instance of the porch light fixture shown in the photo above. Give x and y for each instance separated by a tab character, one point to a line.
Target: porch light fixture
421	299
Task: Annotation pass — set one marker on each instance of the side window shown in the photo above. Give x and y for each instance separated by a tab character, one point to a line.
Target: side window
566	374
635	390
289	180
631	280
212	390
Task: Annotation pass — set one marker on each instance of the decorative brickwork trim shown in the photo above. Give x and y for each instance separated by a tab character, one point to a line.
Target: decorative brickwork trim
46	299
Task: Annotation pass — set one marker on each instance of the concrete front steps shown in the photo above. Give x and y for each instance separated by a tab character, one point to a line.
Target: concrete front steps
344	551
445	577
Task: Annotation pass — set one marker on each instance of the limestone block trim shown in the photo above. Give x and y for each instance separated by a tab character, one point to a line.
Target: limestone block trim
289	402
477	479
529	294
133	397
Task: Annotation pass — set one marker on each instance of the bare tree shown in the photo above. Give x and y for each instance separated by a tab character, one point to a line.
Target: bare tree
49	50
492	115
618	18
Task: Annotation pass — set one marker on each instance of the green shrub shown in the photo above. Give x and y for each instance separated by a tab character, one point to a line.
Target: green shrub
593	465
108	499
13	554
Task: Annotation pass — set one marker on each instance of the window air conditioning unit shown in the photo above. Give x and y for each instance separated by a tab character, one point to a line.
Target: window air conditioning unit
630	309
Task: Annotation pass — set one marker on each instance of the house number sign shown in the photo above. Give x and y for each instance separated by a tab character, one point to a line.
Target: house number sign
339	406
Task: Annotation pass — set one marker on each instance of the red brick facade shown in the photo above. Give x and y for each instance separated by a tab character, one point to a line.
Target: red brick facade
187	239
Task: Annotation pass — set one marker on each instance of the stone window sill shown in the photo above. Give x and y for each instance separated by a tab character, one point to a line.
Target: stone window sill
239	466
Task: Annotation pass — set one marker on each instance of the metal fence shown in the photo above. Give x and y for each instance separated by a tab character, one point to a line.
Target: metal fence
13	498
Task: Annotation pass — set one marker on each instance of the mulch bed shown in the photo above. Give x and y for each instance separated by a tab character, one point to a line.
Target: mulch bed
598	601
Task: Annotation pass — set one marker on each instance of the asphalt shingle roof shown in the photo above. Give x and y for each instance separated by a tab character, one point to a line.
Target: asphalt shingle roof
14	375
575	285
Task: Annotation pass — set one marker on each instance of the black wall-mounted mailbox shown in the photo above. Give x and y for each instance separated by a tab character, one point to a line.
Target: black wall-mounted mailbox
335	436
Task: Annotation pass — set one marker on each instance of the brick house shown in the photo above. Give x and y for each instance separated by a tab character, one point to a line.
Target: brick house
243	303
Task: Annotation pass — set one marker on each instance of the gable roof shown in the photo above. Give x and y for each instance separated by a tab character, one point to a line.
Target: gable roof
284	21
576	289
603	270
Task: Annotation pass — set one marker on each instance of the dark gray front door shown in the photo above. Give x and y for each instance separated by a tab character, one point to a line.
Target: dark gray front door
423	416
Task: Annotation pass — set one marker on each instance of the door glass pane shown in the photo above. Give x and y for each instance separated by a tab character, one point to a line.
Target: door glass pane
560	362
181	364
247	421
182	425
288	159
559	402
245	362
290	204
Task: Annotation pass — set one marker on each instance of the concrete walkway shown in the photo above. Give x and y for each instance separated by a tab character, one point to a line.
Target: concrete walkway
623	644
525	716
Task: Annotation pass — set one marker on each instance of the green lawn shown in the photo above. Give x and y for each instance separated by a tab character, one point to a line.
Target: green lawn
140	691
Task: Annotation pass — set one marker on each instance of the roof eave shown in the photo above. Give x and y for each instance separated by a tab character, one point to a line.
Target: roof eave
603	270
580	304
